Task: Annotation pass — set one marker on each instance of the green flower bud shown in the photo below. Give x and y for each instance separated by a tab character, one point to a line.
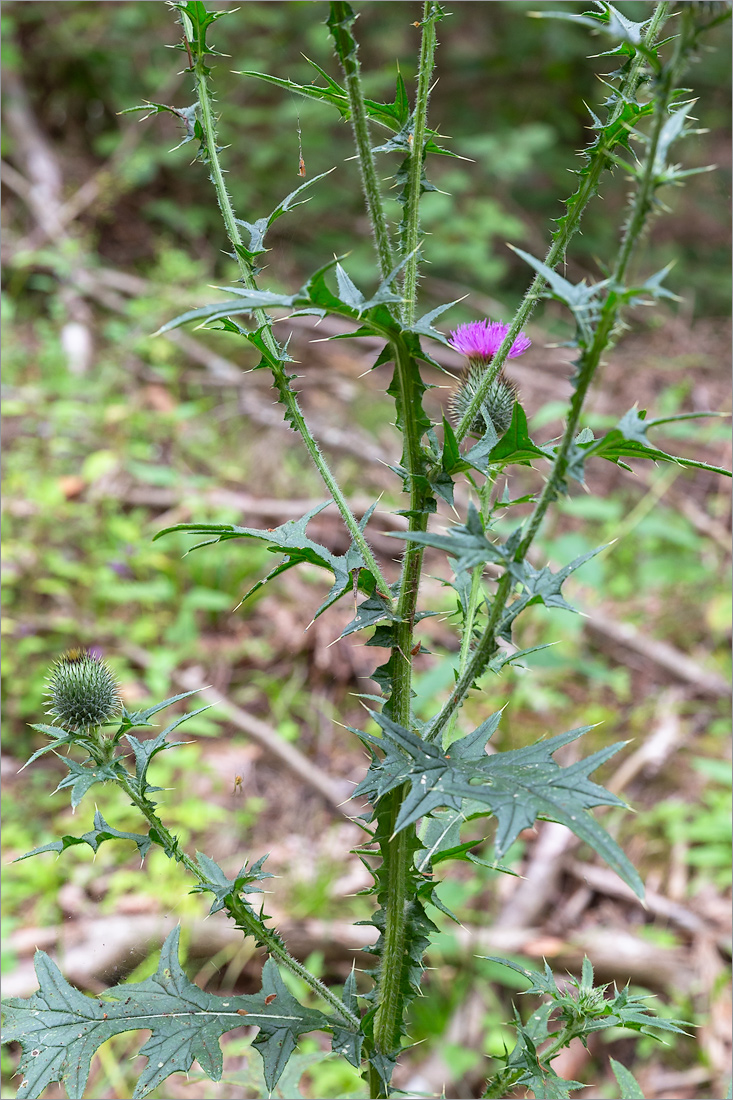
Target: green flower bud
497	405
83	691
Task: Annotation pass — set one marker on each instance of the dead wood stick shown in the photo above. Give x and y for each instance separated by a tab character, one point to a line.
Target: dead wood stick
334	791
606	882
662	654
93	953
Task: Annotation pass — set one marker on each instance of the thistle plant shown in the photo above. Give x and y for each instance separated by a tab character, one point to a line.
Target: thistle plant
425	779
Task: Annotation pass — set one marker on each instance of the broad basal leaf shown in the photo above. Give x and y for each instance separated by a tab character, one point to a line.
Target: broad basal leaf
59	1028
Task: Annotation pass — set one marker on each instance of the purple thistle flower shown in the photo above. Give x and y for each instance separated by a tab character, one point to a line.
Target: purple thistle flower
479	341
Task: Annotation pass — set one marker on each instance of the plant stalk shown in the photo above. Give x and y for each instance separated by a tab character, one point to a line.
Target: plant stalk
410	240
339	23
588	364
263	321
397	851
599	159
245	919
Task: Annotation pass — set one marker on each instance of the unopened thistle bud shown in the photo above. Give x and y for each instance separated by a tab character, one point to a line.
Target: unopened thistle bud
83	691
479	341
497	405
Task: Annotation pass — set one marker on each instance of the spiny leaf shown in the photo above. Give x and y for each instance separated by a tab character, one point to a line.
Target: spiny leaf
257	230
96	836
629	440
584	1008
541	586
609	20
145	750
83	776
186	115
222	887
630	1087
131	719
291	539
393	116
466	542
517	786
59	1028
582	300
514	448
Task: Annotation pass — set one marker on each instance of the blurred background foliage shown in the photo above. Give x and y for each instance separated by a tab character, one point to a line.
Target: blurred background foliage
101	454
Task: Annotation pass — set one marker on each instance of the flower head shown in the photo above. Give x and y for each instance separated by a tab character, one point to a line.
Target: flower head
479	341
497	406
83	691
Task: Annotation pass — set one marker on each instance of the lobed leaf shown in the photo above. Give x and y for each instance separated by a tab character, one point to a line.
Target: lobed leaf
59	1028
96	836
518	786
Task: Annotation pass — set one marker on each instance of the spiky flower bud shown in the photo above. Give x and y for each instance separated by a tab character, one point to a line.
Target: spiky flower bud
479	341
83	691
497	405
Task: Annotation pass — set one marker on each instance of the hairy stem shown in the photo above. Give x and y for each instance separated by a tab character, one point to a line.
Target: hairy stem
245	919
339	23
208	125
397	851
599	160
641	207
417	159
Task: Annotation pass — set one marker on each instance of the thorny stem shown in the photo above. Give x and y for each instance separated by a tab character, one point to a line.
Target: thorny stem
417	158
263	321
339	24
245	919
397	851
588	363
571	222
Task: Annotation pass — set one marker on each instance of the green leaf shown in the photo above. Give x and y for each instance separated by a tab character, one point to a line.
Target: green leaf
629	440
196	20
393	116
257	230
222	887
514	447
96	836
518	786
349	1043
60	739
524	1068
467	543
630	1087
291	539
582	300
246	302
584	1008
186	115
145	750
83	776
608	21
131	719
370	612
59	1028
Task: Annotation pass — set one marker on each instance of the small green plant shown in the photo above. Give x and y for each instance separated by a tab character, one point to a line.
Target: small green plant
427	776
